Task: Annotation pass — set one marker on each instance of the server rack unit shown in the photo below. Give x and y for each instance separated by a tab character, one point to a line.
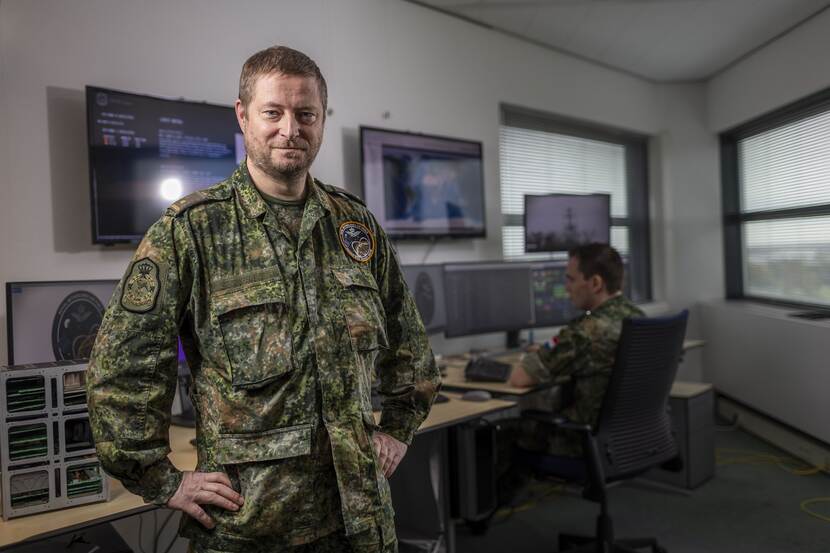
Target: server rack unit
47	456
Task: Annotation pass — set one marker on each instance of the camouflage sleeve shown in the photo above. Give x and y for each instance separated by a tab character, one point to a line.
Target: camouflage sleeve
132	370
408	374
557	362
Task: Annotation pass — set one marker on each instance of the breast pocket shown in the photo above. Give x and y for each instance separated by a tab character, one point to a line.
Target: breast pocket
363	308
255	323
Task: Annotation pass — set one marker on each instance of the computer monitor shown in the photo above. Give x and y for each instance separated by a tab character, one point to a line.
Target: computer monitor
551	304
559	222
54	320
426	282
147	152
487	297
422	186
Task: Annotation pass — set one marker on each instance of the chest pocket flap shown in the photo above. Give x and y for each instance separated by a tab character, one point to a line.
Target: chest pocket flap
256	331
362	307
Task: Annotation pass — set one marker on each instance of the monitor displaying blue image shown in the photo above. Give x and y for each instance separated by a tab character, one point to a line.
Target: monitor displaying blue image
421	186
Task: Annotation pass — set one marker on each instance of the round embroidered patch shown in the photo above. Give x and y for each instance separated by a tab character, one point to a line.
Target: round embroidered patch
357	240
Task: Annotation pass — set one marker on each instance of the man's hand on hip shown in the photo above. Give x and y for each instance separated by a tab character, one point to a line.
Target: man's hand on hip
204	488
389	451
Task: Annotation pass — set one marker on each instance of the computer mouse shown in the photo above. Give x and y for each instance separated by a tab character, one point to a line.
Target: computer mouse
477	395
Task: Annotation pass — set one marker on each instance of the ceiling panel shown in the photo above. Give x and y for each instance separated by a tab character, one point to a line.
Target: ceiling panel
662	40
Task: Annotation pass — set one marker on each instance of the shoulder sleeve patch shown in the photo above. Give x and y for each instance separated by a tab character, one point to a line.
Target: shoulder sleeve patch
142	286
337	191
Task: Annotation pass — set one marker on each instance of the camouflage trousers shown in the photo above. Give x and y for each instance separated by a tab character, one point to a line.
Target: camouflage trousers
337	542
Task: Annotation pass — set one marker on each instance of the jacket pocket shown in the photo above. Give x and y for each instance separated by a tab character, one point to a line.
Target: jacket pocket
280	443
255	323
362	308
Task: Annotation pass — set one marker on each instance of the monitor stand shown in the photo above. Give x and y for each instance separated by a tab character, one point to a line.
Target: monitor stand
513	339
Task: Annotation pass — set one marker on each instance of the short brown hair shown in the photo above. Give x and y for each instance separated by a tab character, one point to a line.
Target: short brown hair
600	259
279	59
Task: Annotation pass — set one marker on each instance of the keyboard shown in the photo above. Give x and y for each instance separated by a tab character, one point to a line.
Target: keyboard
484	369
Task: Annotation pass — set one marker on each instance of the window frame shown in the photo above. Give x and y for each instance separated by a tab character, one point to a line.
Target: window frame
733	219
637	183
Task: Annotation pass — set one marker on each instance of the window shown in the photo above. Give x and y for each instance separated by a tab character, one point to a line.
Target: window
543	154
776	190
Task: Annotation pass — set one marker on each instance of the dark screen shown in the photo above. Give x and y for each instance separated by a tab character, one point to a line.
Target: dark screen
145	153
426	283
551	304
487	297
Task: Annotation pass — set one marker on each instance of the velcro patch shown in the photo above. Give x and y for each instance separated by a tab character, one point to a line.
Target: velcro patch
142	286
357	241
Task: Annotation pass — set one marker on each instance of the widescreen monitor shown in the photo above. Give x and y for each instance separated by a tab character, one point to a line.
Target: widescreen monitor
551	304
559	222
506	297
147	152
487	297
54	321
422	186
426	283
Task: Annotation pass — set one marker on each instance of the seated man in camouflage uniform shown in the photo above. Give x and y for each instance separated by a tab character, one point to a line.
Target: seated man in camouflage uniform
581	356
288	297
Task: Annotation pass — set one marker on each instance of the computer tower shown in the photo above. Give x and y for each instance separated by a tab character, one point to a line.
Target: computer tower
473	470
692	409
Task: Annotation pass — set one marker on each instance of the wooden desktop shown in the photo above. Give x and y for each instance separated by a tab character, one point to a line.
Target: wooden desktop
123	503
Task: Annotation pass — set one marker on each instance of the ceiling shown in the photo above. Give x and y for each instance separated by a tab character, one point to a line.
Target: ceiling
660	40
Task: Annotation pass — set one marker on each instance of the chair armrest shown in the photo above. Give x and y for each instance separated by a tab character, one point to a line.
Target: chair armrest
555	420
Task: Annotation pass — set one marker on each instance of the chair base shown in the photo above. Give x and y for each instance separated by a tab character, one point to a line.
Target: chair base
569	543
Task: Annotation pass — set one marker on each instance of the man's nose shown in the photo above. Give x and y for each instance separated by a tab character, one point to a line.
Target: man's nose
289	128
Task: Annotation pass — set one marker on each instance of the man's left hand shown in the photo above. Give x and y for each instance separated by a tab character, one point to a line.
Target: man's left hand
389	452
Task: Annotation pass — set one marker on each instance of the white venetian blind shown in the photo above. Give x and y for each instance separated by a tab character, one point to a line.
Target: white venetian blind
787	167
541	162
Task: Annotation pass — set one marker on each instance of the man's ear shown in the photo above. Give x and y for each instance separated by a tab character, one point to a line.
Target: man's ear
597	284
240	114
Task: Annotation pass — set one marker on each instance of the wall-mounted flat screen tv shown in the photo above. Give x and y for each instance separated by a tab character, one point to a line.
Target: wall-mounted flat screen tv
559	222
421	186
147	152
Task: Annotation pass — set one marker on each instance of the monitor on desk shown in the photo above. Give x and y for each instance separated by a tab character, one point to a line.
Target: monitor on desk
551	304
505	296
56	320
426	283
487	297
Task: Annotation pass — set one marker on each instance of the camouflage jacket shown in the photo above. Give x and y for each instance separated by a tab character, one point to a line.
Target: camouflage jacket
283	341
581	358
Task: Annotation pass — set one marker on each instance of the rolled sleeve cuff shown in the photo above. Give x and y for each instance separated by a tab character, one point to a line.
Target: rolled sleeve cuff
159	482
399	424
533	366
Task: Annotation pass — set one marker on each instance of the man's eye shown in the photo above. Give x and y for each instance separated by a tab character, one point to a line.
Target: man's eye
271	113
308	117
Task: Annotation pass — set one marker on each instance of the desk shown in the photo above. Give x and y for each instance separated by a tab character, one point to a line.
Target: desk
123	504
454	378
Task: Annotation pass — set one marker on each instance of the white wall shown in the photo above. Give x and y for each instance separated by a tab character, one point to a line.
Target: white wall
432	73
790	68
759	355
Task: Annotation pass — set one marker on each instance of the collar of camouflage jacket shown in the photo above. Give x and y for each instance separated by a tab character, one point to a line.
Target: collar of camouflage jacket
251	200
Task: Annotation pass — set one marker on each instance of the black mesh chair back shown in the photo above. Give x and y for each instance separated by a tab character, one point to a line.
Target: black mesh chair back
634	431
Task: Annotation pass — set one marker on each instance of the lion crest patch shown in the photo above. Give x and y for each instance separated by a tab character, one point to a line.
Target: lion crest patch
142	286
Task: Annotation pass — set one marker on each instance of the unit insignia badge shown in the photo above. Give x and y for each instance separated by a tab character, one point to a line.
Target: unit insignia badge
357	240
142	286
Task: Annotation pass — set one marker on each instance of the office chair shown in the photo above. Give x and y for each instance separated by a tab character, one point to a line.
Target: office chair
633	432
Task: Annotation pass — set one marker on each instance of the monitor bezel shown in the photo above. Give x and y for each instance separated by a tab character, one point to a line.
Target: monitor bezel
9	309
562	194
90	91
438	329
430	236
524	263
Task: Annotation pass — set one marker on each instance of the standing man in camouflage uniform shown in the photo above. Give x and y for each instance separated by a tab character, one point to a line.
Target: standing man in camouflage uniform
288	297
582	355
